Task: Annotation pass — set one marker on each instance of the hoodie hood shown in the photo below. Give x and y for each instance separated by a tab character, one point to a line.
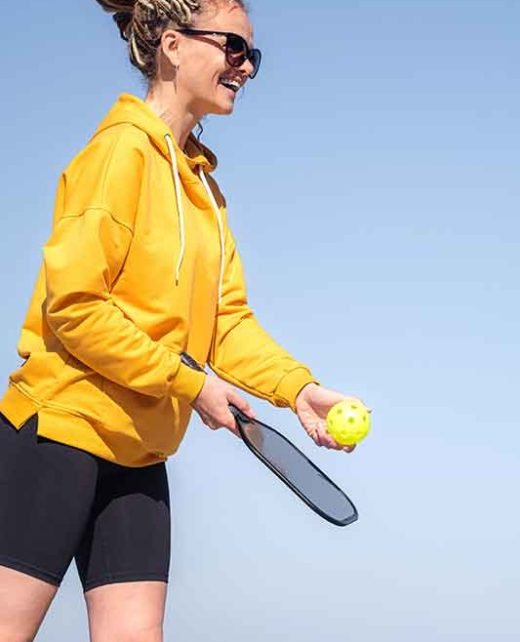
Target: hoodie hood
188	166
134	111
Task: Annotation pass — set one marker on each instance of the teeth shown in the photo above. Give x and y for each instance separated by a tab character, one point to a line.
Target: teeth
232	84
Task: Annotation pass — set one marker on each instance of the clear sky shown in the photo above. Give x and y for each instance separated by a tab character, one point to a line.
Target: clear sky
371	172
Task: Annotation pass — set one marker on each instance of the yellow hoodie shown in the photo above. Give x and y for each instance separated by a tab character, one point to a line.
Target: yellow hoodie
140	266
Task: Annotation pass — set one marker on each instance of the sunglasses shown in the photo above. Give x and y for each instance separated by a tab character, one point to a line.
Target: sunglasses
236	48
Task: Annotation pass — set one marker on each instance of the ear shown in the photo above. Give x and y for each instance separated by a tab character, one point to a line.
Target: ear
170	46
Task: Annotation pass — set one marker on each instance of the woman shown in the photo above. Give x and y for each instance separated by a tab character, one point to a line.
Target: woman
140	268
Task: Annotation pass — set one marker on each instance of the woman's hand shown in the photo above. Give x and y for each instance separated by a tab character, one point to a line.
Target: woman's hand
212	405
312	405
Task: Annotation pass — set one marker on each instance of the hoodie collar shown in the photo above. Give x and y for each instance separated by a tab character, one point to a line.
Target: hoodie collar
134	111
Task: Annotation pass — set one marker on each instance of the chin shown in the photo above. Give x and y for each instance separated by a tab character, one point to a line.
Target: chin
222	109
219	105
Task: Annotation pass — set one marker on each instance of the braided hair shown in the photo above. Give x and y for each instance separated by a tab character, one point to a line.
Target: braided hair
142	22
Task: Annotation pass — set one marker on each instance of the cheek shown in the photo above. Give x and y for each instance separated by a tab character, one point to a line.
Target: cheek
203	75
211	64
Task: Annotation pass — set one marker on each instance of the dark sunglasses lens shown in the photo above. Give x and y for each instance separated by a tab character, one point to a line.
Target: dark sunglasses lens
255	57
238	52
236	48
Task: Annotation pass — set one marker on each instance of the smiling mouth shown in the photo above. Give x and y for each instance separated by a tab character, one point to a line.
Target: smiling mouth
233	85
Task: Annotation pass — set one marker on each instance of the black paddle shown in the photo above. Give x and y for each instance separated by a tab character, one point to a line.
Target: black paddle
290	465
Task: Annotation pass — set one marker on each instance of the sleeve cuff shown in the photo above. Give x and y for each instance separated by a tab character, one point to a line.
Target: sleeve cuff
187	383
291	385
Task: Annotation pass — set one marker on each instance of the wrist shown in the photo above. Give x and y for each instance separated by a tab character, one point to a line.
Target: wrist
307	388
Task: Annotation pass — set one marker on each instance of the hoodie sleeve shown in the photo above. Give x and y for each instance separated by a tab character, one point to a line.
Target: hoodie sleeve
242	352
82	259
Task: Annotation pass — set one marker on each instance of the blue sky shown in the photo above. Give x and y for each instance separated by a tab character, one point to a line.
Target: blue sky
371	172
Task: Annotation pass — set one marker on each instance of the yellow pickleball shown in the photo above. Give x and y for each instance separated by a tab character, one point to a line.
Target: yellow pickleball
348	422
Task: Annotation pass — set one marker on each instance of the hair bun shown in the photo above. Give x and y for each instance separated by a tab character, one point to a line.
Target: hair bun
123	11
118	6
123	19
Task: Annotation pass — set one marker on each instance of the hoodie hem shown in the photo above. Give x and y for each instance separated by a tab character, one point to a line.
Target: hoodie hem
71	429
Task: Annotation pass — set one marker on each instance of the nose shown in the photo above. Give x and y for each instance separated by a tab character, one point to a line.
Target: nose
247	67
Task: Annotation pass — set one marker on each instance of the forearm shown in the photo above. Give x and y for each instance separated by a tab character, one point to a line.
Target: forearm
82	260
249	358
98	334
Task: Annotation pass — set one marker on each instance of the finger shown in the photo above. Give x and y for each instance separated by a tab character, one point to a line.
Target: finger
320	435
325	438
313	435
215	423
312	430
221	424
235	431
241	404
229	422
317	438
348	448
329	442
207	420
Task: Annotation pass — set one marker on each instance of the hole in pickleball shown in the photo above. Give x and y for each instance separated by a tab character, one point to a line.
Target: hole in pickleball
351	420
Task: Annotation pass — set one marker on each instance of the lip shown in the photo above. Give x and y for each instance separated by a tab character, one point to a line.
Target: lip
230	91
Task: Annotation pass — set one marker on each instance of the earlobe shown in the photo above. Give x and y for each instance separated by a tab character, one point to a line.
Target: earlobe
170	47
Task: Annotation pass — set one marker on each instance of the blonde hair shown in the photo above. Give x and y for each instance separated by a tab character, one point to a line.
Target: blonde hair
142	22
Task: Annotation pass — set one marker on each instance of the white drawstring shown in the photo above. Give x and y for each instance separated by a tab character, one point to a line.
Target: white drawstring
216	209
180	207
180	210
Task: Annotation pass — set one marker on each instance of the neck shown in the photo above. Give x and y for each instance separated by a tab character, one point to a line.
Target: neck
168	105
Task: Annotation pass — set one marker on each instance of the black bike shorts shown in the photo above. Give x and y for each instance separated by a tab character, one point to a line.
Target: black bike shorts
58	503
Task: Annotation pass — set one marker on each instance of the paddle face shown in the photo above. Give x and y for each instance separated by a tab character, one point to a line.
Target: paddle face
297	471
